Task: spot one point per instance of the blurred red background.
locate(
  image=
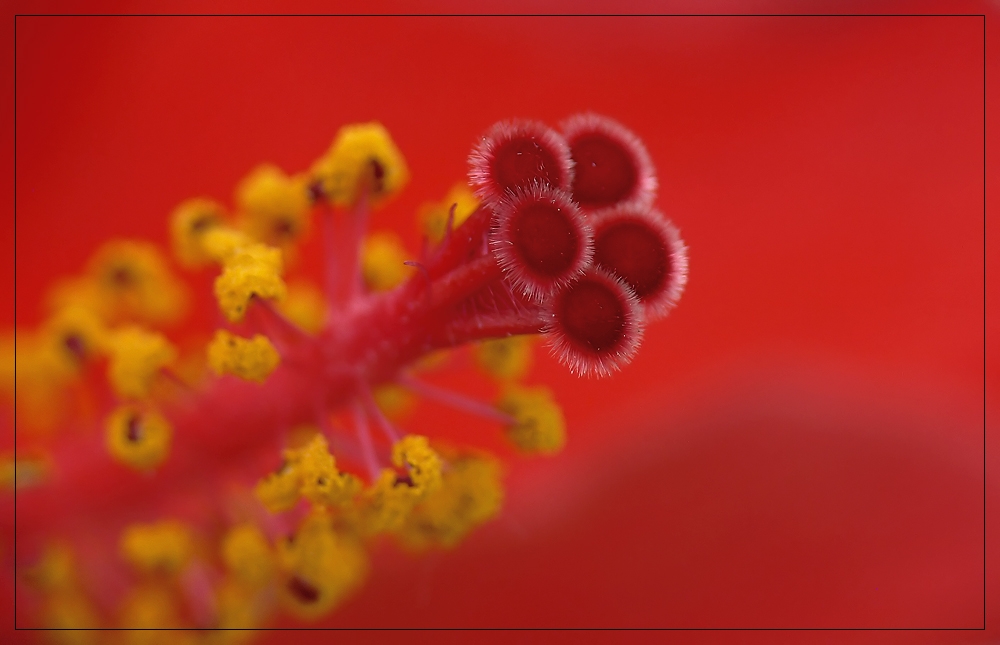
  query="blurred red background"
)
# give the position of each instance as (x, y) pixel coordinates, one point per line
(800, 444)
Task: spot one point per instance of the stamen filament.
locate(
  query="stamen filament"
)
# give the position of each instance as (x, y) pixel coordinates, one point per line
(359, 224)
(454, 400)
(332, 258)
(373, 411)
(365, 440)
(275, 325)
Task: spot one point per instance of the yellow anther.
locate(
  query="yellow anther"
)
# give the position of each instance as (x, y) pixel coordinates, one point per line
(252, 359)
(40, 380)
(77, 333)
(305, 306)
(470, 494)
(382, 258)
(55, 570)
(238, 609)
(322, 483)
(248, 555)
(149, 607)
(137, 356)
(279, 490)
(387, 504)
(507, 359)
(539, 425)
(136, 438)
(320, 567)
(253, 270)
(189, 223)
(222, 242)
(363, 160)
(276, 206)
(394, 401)
(135, 283)
(414, 453)
(161, 547)
(25, 472)
(80, 292)
(298, 438)
(434, 216)
(69, 614)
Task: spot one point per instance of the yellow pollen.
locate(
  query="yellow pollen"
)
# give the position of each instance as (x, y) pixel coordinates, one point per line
(423, 464)
(133, 283)
(69, 614)
(470, 494)
(38, 384)
(160, 547)
(189, 223)
(322, 483)
(305, 306)
(278, 491)
(382, 258)
(239, 609)
(138, 439)
(275, 206)
(507, 359)
(77, 333)
(253, 270)
(320, 567)
(395, 401)
(80, 292)
(150, 607)
(248, 555)
(55, 570)
(137, 356)
(539, 426)
(386, 505)
(362, 160)
(24, 472)
(252, 359)
(222, 242)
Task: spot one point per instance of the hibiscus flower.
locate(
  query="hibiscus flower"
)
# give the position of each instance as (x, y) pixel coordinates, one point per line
(799, 444)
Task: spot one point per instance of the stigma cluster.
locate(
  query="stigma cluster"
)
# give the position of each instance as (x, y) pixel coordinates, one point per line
(215, 480)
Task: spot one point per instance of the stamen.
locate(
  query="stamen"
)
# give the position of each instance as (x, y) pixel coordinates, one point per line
(275, 324)
(252, 359)
(253, 270)
(188, 224)
(368, 400)
(520, 263)
(163, 546)
(454, 400)
(276, 207)
(365, 441)
(137, 357)
(539, 426)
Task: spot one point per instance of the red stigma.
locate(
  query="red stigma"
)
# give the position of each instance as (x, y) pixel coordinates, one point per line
(611, 166)
(644, 249)
(541, 240)
(517, 154)
(596, 324)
